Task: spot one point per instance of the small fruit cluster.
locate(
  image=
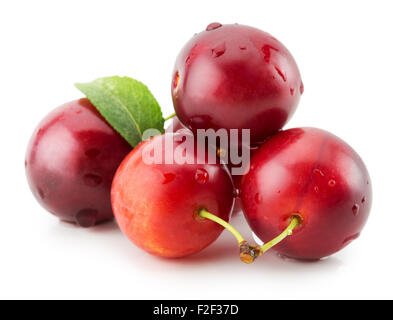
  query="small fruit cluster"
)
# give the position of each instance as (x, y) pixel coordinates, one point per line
(305, 191)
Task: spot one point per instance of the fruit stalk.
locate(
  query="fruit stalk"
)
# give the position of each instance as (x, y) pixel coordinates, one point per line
(296, 221)
(170, 116)
(248, 252)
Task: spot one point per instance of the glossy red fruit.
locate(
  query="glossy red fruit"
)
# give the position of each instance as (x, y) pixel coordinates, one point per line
(235, 76)
(314, 174)
(156, 205)
(70, 163)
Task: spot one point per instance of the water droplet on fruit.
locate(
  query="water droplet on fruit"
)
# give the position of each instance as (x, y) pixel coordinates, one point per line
(301, 89)
(236, 193)
(258, 198)
(201, 176)
(92, 180)
(292, 91)
(316, 189)
(351, 238)
(282, 75)
(213, 26)
(278, 191)
(363, 199)
(86, 217)
(332, 183)
(176, 79)
(318, 171)
(92, 153)
(219, 50)
(355, 209)
(41, 193)
(40, 132)
(267, 53)
(242, 47)
(168, 177)
(188, 60)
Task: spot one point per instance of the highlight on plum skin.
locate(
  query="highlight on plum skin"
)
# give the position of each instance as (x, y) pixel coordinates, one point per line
(235, 77)
(315, 175)
(70, 162)
(175, 126)
(156, 205)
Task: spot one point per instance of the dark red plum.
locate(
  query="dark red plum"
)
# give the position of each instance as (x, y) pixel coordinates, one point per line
(70, 163)
(313, 175)
(235, 77)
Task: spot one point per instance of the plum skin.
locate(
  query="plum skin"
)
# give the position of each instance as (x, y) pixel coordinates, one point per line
(236, 77)
(70, 162)
(156, 205)
(314, 174)
(175, 125)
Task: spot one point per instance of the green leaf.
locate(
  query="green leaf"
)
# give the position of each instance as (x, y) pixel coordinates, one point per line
(126, 104)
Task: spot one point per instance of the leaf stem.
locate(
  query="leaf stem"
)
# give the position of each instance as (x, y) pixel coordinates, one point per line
(170, 117)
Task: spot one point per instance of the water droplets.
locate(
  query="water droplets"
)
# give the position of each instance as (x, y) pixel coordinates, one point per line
(355, 209)
(41, 193)
(242, 47)
(176, 80)
(213, 26)
(86, 217)
(201, 176)
(40, 132)
(219, 50)
(258, 198)
(363, 199)
(168, 177)
(332, 183)
(351, 238)
(316, 189)
(292, 91)
(319, 172)
(281, 74)
(266, 50)
(236, 193)
(92, 180)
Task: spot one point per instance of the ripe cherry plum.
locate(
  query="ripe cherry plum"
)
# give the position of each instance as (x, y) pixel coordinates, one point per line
(312, 174)
(70, 163)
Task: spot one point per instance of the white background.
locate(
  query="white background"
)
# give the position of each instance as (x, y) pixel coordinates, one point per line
(344, 50)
